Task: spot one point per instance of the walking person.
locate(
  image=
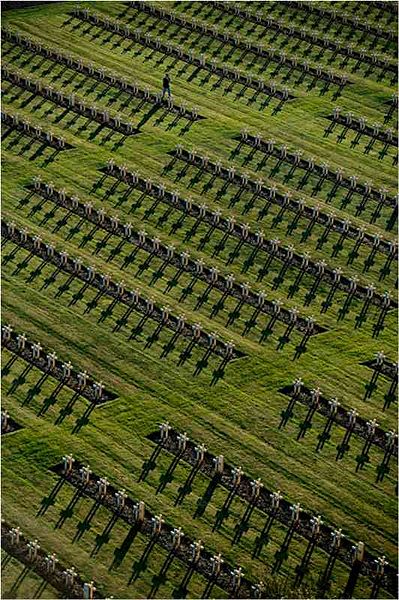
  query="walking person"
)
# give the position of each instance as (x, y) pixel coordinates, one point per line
(166, 85)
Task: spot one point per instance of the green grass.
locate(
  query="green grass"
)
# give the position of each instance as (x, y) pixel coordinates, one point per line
(239, 416)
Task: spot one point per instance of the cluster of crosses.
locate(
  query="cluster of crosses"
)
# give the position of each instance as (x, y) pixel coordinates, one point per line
(34, 131)
(322, 170)
(48, 361)
(69, 576)
(100, 74)
(154, 246)
(68, 101)
(343, 19)
(235, 40)
(318, 269)
(284, 199)
(234, 75)
(239, 483)
(334, 45)
(157, 521)
(331, 408)
(359, 124)
(130, 297)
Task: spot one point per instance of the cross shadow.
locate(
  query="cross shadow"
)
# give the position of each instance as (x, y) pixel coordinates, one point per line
(120, 553)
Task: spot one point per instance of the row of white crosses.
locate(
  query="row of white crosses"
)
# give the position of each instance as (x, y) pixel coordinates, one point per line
(157, 521)
(345, 19)
(51, 361)
(58, 97)
(233, 39)
(69, 575)
(337, 45)
(334, 404)
(352, 122)
(34, 131)
(102, 75)
(212, 66)
(343, 226)
(282, 152)
(135, 297)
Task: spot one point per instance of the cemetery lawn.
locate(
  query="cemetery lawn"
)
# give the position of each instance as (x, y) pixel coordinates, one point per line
(238, 414)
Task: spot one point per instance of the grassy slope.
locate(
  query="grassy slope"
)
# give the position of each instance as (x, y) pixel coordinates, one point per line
(239, 416)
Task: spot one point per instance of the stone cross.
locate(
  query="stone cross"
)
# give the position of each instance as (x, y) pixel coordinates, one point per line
(15, 534)
(352, 416)
(316, 523)
(51, 560)
(295, 512)
(68, 461)
(236, 473)
(156, 524)
(182, 440)
(379, 358)
(156, 244)
(391, 437)
(69, 575)
(11, 228)
(371, 427)
(236, 576)
(82, 379)
(258, 589)
(196, 548)
(357, 552)
(181, 321)
(4, 419)
(51, 360)
(212, 339)
(165, 313)
(64, 257)
(218, 464)
(216, 564)
(98, 388)
(170, 250)
(66, 370)
(200, 453)
(256, 486)
(297, 386)
(88, 590)
(139, 511)
(85, 473)
(380, 564)
(120, 499)
(177, 535)
(164, 430)
(333, 404)
(245, 288)
(7, 331)
(199, 266)
(102, 485)
(229, 347)
(196, 331)
(33, 548)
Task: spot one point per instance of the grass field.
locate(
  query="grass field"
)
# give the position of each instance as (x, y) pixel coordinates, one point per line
(238, 414)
